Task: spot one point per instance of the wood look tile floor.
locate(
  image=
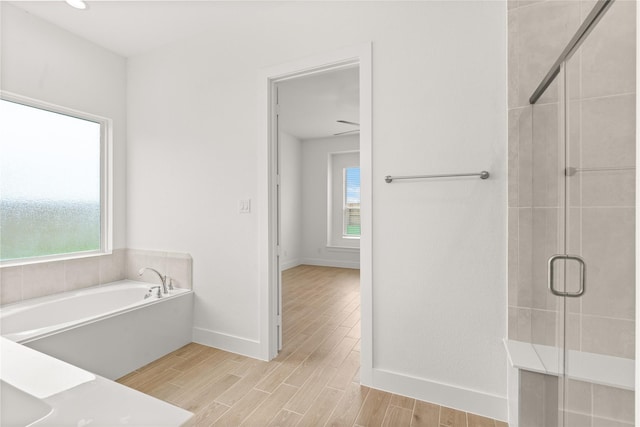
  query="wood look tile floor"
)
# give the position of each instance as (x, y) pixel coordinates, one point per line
(314, 381)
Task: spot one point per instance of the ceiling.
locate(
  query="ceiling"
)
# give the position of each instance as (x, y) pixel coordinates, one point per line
(310, 105)
(131, 28)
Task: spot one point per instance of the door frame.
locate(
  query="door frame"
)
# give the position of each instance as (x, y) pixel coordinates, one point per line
(267, 203)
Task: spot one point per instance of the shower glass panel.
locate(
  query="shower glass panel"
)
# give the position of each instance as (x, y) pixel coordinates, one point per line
(583, 210)
(600, 209)
(548, 223)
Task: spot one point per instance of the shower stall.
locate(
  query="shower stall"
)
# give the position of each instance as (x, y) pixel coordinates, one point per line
(572, 101)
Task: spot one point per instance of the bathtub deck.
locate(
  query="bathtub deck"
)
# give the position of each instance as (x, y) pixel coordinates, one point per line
(313, 381)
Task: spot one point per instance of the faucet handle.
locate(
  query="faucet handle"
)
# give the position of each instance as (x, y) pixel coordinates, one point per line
(159, 294)
(169, 282)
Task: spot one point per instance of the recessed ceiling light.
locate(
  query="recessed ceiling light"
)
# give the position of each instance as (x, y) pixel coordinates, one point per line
(78, 4)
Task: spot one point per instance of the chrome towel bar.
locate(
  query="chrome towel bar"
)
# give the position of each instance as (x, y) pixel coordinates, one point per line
(482, 175)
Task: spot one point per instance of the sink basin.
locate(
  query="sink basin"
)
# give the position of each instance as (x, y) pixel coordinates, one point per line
(18, 408)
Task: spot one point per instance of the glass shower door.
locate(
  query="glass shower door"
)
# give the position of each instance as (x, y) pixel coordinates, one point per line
(549, 244)
(599, 184)
(559, 270)
(568, 282)
(576, 228)
(584, 231)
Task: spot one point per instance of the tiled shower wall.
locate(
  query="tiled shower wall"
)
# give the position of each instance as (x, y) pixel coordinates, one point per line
(602, 204)
(601, 86)
(588, 405)
(36, 280)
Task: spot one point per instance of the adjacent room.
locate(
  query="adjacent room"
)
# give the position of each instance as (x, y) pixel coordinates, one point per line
(344, 213)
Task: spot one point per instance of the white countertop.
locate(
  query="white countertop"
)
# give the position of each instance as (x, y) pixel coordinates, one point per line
(45, 391)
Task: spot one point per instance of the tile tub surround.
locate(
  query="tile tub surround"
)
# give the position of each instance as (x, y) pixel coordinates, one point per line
(23, 282)
(178, 266)
(36, 280)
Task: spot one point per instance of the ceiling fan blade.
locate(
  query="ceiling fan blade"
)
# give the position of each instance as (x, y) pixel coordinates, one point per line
(348, 122)
(349, 131)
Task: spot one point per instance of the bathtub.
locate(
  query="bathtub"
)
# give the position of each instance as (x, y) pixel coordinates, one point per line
(109, 329)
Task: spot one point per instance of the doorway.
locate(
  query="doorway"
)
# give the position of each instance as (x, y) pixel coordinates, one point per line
(271, 316)
(318, 198)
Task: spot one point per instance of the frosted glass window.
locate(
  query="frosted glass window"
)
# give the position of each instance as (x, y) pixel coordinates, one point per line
(50, 183)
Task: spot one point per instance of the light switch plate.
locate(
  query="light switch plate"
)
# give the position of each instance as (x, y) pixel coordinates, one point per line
(244, 206)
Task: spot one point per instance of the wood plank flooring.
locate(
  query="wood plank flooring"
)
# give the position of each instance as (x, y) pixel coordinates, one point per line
(314, 381)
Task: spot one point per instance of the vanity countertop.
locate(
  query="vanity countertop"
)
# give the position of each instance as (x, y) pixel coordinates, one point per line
(39, 390)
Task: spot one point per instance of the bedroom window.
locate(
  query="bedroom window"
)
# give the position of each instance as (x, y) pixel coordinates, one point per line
(344, 200)
(351, 202)
(54, 182)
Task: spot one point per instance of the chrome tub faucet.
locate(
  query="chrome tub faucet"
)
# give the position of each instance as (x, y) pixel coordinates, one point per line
(163, 279)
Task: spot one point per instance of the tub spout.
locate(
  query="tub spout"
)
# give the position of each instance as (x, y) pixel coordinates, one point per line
(163, 278)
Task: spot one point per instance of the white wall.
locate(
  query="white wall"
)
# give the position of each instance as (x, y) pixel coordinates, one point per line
(41, 61)
(291, 200)
(303, 175)
(315, 159)
(439, 103)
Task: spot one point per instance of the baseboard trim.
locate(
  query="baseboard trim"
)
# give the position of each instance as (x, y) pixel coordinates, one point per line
(473, 401)
(331, 263)
(290, 264)
(231, 343)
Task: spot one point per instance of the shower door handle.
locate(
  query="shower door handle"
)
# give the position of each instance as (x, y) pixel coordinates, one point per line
(583, 275)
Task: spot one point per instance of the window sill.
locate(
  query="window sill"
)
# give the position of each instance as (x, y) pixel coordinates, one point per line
(331, 248)
(53, 258)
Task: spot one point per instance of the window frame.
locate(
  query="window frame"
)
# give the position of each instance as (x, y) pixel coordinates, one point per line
(106, 179)
(336, 163)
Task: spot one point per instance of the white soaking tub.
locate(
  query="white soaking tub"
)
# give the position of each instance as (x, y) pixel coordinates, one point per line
(110, 329)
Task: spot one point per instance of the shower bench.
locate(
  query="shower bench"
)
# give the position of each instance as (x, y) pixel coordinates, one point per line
(534, 381)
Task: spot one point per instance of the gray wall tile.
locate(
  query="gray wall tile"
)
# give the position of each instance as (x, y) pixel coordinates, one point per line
(10, 284)
(608, 336)
(546, 174)
(579, 396)
(525, 158)
(113, 267)
(609, 252)
(543, 31)
(179, 268)
(613, 403)
(81, 273)
(512, 257)
(42, 279)
(137, 259)
(608, 54)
